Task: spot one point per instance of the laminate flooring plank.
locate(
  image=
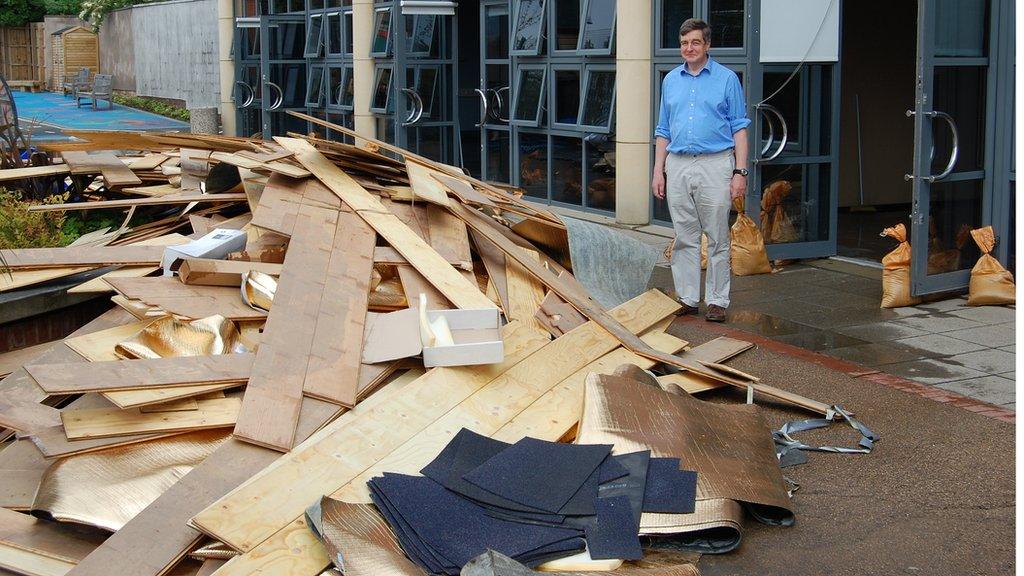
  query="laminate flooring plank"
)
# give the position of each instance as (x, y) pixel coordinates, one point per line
(91, 256)
(270, 408)
(105, 423)
(228, 369)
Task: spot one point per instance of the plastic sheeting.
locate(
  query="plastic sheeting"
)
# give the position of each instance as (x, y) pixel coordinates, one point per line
(611, 265)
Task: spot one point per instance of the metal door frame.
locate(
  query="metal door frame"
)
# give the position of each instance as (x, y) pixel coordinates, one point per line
(921, 282)
(485, 112)
(267, 60)
(248, 99)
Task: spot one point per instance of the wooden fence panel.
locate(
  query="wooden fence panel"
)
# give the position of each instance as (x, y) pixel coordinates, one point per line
(21, 55)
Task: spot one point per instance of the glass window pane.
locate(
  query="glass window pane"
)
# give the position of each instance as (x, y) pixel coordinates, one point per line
(291, 79)
(348, 32)
(567, 24)
(426, 87)
(287, 40)
(954, 209)
(567, 96)
(349, 91)
(795, 202)
(961, 28)
(316, 4)
(334, 79)
(960, 92)
(279, 6)
(500, 96)
(314, 91)
(600, 93)
(498, 162)
(530, 96)
(382, 34)
(787, 101)
(529, 24)
(726, 20)
(382, 90)
(598, 25)
(497, 32)
(533, 164)
(314, 36)
(600, 166)
(420, 32)
(334, 34)
(567, 170)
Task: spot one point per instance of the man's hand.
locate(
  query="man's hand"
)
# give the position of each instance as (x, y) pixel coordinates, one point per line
(737, 186)
(658, 184)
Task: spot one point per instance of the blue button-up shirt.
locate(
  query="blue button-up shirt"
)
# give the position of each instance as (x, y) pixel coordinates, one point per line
(699, 114)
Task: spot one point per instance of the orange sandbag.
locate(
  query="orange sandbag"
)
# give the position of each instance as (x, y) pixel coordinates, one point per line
(991, 284)
(703, 251)
(896, 271)
(748, 255)
(776, 227)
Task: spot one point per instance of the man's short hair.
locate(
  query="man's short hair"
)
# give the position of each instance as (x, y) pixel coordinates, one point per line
(696, 24)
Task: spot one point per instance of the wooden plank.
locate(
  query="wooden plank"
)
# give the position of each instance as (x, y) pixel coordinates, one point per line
(53, 442)
(449, 236)
(332, 373)
(250, 516)
(115, 172)
(148, 162)
(14, 279)
(167, 293)
(272, 399)
(589, 308)
(460, 291)
(22, 466)
(557, 316)
(103, 423)
(717, 350)
(424, 186)
(525, 294)
(133, 551)
(14, 359)
(33, 172)
(41, 539)
(77, 378)
(495, 264)
(414, 284)
(127, 203)
(157, 191)
(99, 284)
(464, 190)
(82, 256)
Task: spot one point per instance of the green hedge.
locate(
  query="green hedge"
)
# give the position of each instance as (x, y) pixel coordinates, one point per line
(154, 106)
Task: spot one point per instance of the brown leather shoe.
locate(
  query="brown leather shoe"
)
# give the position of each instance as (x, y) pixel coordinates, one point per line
(686, 309)
(715, 314)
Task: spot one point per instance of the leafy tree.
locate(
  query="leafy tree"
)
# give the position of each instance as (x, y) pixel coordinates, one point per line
(95, 11)
(20, 12)
(63, 6)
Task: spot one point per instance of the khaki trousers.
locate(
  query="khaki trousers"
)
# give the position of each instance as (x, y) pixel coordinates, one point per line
(697, 191)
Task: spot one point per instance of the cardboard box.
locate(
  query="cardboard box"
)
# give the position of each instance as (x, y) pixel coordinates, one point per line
(476, 334)
(217, 244)
(207, 272)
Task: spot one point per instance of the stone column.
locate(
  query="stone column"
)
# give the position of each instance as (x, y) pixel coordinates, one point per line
(362, 62)
(225, 33)
(633, 112)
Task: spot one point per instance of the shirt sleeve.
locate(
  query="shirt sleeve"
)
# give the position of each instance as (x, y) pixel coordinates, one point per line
(737, 106)
(662, 129)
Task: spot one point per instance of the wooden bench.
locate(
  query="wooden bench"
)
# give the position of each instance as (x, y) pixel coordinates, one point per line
(101, 90)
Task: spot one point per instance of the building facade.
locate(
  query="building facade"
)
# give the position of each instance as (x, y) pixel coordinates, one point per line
(859, 121)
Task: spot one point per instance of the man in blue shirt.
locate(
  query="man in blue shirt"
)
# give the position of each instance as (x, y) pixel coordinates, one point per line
(700, 166)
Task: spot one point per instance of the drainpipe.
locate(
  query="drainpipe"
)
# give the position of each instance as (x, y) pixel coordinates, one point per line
(225, 34)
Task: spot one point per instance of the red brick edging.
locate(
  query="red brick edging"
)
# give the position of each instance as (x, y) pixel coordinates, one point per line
(859, 371)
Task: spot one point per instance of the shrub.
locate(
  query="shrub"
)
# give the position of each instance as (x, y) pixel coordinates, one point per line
(20, 12)
(154, 106)
(63, 7)
(20, 228)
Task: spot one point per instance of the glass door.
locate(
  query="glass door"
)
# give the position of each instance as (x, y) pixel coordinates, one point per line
(282, 73)
(495, 93)
(953, 141)
(248, 89)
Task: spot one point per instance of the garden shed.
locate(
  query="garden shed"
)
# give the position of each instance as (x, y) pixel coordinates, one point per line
(74, 48)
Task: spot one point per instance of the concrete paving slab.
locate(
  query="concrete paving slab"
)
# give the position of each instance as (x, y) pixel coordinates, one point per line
(940, 345)
(761, 323)
(937, 323)
(819, 340)
(992, 389)
(910, 311)
(946, 305)
(832, 318)
(986, 314)
(880, 331)
(933, 371)
(990, 360)
(993, 336)
(877, 354)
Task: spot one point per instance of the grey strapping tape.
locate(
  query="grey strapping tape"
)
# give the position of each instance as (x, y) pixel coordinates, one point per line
(784, 442)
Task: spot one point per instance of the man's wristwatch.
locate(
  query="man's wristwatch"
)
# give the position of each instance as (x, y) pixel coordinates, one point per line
(741, 171)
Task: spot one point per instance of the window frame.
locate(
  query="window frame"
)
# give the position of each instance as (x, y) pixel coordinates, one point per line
(320, 41)
(376, 26)
(587, 71)
(553, 48)
(555, 68)
(378, 70)
(521, 71)
(411, 40)
(330, 52)
(428, 112)
(347, 74)
(583, 33)
(541, 36)
(310, 78)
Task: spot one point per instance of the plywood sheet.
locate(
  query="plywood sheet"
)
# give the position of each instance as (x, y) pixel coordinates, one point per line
(169, 294)
(227, 369)
(424, 186)
(114, 171)
(82, 256)
(102, 423)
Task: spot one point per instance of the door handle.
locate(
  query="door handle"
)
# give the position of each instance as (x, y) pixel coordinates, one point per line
(251, 96)
(768, 110)
(953, 155)
(497, 94)
(281, 95)
(417, 107)
(486, 107)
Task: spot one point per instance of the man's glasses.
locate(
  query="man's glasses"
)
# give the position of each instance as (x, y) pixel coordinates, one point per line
(693, 43)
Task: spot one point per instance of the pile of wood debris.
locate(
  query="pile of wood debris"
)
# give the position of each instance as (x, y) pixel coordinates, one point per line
(185, 366)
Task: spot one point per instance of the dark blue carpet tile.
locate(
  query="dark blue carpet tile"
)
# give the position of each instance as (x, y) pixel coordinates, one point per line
(615, 533)
(669, 489)
(456, 530)
(539, 474)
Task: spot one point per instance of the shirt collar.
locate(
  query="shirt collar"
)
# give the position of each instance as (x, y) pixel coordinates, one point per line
(706, 68)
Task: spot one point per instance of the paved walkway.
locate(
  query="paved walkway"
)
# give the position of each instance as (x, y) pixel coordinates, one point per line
(43, 116)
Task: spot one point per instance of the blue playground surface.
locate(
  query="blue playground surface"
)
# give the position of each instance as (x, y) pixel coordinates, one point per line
(40, 112)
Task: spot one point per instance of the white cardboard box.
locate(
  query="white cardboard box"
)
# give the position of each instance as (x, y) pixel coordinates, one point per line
(217, 244)
(476, 335)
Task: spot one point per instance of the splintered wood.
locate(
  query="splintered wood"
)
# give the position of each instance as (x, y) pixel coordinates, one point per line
(346, 233)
